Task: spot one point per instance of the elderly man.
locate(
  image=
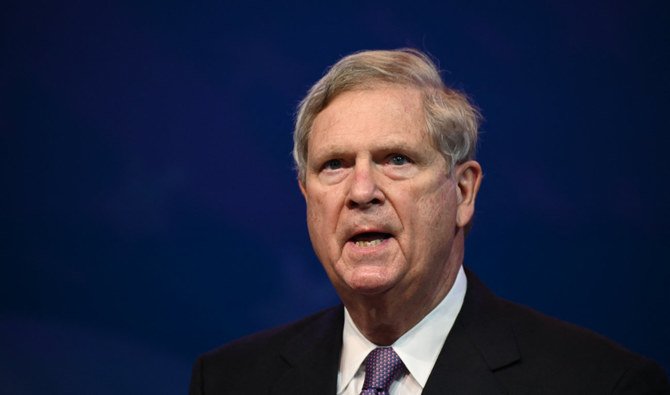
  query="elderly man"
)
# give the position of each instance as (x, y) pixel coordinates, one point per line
(385, 159)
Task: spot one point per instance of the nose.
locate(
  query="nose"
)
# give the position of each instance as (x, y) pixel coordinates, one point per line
(364, 189)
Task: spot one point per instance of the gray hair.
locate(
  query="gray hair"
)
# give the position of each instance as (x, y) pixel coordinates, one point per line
(452, 121)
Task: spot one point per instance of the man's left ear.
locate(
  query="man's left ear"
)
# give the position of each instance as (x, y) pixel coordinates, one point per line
(468, 176)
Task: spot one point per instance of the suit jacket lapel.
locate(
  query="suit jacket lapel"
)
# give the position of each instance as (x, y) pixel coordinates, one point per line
(480, 343)
(313, 357)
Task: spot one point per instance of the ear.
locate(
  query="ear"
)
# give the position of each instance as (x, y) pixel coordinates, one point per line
(468, 176)
(302, 188)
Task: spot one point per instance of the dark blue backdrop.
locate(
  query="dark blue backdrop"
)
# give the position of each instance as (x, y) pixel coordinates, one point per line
(149, 208)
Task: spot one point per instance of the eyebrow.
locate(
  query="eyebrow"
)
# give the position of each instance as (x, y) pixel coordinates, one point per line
(336, 150)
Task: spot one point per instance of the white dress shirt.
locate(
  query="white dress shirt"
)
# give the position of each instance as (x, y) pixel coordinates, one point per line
(418, 348)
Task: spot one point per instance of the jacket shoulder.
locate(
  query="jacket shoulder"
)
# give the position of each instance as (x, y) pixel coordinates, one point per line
(255, 360)
(270, 340)
(559, 355)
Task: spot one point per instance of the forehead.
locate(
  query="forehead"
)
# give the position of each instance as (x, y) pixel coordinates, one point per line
(391, 114)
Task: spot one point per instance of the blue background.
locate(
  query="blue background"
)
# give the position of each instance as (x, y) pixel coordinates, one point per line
(150, 212)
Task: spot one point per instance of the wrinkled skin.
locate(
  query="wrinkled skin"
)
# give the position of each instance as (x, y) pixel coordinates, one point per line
(385, 216)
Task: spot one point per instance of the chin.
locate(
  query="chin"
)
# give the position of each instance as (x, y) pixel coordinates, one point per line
(370, 282)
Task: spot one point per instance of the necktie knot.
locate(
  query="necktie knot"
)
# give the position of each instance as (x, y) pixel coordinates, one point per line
(382, 366)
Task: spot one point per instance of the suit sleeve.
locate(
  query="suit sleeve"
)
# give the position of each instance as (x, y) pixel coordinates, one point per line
(647, 378)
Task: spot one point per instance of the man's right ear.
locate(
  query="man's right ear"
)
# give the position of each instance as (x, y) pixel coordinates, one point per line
(302, 188)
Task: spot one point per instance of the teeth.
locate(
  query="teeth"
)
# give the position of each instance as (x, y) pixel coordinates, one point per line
(368, 243)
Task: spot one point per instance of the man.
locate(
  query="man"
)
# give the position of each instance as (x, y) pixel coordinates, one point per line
(385, 159)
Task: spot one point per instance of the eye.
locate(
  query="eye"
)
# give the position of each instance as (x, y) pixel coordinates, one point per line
(333, 164)
(398, 160)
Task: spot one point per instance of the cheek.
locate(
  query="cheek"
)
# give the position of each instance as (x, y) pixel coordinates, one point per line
(442, 209)
(324, 205)
(319, 218)
(315, 204)
(314, 219)
(433, 217)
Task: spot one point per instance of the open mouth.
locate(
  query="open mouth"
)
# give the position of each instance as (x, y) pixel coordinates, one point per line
(369, 239)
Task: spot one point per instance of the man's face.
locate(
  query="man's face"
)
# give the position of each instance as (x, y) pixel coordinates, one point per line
(382, 209)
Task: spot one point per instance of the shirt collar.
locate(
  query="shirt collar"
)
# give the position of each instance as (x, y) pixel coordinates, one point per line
(418, 348)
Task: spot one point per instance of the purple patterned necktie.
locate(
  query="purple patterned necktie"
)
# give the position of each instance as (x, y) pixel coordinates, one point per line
(382, 366)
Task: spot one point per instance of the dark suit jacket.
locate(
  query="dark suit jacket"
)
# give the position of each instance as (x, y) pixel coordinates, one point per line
(495, 347)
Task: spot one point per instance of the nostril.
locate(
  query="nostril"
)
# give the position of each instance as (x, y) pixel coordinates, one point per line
(370, 203)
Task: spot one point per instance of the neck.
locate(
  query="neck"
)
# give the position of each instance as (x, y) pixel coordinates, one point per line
(384, 318)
